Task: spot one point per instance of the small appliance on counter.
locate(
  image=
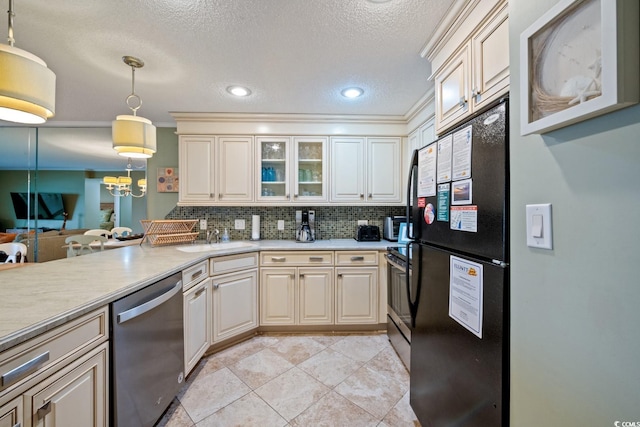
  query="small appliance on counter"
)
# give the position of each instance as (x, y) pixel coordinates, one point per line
(391, 227)
(368, 233)
(305, 226)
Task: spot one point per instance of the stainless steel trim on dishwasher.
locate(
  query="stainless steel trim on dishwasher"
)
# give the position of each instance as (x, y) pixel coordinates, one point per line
(139, 310)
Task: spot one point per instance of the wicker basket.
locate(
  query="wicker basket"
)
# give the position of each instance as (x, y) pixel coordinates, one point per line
(168, 232)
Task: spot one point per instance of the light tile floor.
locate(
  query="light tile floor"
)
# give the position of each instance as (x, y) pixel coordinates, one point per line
(299, 380)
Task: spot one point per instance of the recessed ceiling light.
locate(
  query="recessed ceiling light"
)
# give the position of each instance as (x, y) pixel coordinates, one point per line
(352, 92)
(379, 1)
(238, 91)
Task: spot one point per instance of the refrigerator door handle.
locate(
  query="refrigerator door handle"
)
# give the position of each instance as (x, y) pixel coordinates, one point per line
(413, 167)
(500, 263)
(414, 300)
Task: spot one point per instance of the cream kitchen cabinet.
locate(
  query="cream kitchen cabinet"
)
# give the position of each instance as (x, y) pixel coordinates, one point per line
(292, 169)
(296, 296)
(234, 295)
(59, 377)
(296, 288)
(366, 169)
(216, 169)
(356, 276)
(74, 398)
(477, 71)
(197, 323)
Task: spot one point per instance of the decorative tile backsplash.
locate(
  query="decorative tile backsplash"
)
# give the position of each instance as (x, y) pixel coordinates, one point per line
(332, 222)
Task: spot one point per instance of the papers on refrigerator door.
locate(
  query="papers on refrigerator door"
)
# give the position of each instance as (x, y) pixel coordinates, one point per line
(427, 171)
(461, 159)
(444, 159)
(465, 294)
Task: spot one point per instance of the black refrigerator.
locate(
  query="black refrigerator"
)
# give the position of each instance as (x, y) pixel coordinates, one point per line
(459, 291)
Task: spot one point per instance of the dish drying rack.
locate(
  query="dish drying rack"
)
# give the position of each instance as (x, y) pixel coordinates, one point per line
(168, 231)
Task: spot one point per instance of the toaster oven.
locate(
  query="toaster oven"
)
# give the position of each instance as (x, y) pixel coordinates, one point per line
(392, 226)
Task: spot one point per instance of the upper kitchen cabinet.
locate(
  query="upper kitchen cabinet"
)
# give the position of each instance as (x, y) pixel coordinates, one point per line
(470, 63)
(292, 169)
(366, 170)
(216, 169)
(310, 169)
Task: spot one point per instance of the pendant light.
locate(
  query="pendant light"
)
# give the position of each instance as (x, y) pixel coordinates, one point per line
(133, 136)
(27, 86)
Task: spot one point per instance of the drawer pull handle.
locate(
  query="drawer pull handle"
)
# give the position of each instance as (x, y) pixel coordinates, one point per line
(302, 276)
(44, 410)
(278, 259)
(316, 258)
(23, 370)
(357, 258)
(197, 274)
(197, 294)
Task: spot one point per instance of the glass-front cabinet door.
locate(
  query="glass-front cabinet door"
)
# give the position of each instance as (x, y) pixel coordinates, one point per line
(273, 158)
(310, 169)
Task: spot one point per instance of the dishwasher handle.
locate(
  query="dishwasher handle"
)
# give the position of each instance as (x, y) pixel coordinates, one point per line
(138, 310)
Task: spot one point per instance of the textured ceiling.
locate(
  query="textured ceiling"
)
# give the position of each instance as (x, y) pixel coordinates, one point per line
(295, 56)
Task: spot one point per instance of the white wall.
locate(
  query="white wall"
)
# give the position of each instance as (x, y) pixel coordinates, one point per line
(575, 310)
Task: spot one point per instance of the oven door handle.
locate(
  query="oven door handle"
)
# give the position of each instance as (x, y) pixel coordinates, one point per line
(395, 264)
(139, 310)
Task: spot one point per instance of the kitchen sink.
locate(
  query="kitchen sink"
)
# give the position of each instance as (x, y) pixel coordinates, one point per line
(208, 247)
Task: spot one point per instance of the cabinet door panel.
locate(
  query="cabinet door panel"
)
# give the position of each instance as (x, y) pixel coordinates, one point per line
(236, 169)
(491, 60)
(452, 87)
(11, 413)
(197, 330)
(383, 170)
(197, 169)
(272, 180)
(77, 398)
(316, 296)
(347, 169)
(356, 295)
(277, 296)
(235, 298)
(309, 173)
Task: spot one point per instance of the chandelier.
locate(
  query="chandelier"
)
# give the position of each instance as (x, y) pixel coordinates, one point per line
(133, 136)
(27, 86)
(120, 186)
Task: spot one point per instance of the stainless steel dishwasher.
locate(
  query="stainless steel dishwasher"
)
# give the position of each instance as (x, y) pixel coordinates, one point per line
(147, 352)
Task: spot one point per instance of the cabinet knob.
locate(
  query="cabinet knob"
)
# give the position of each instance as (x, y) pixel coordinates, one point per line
(219, 195)
(216, 285)
(362, 196)
(370, 195)
(463, 102)
(295, 196)
(211, 196)
(286, 196)
(339, 274)
(302, 276)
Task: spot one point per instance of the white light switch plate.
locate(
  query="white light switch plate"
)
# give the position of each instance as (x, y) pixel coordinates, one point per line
(203, 224)
(239, 224)
(539, 231)
(281, 224)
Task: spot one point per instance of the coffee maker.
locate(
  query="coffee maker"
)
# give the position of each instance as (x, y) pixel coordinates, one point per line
(305, 226)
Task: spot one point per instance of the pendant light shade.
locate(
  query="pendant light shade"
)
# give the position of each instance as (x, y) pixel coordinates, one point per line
(132, 135)
(27, 86)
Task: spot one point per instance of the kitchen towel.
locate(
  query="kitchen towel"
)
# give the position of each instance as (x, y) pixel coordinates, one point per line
(255, 227)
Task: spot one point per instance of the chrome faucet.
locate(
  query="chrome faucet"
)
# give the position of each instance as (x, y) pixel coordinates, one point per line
(210, 235)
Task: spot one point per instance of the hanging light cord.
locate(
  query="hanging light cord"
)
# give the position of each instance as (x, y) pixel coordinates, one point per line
(10, 39)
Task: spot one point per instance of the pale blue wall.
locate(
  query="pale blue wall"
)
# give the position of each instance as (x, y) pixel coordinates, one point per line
(160, 204)
(575, 309)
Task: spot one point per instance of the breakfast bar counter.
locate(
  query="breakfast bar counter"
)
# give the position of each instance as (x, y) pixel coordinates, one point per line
(36, 299)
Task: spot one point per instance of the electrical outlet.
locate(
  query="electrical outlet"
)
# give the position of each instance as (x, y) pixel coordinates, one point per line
(363, 222)
(281, 224)
(203, 224)
(239, 224)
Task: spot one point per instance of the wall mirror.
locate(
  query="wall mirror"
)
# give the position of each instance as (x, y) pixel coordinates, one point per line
(65, 166)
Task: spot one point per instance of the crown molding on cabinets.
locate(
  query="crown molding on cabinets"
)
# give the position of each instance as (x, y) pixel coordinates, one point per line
(288, 124)
(422, 111)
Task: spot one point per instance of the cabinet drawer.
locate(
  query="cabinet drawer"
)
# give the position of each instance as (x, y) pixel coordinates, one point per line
(31, 357)
(227, 264)
(356, 258)
(296, 258)
(194, 274)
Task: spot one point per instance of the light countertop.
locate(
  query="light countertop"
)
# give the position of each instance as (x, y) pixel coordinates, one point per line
(41, 296)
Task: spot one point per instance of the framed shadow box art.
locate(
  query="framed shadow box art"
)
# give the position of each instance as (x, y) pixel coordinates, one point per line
(578, 61)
